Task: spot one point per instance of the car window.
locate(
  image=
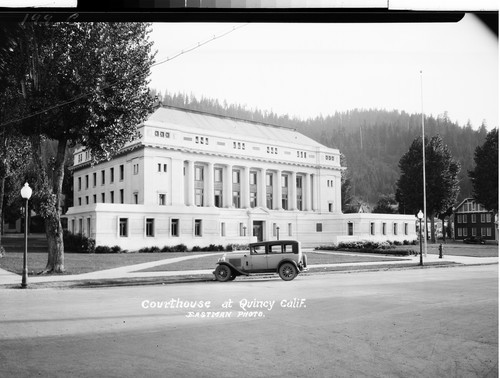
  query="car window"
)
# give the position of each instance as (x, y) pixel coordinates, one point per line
(287, 248)
(258, 250)
(275, 248)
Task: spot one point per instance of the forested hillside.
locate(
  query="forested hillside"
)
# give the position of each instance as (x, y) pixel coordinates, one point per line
(372, 141)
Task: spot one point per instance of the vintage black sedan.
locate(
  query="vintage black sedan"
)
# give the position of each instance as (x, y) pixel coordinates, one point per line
(284, 257)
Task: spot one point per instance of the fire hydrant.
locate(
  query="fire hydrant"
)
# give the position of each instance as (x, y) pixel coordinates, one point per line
(440, 251)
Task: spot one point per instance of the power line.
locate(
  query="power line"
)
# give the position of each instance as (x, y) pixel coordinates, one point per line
(168, 59)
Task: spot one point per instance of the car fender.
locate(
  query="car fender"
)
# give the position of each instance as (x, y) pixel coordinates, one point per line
(299, 269)
(232, 267)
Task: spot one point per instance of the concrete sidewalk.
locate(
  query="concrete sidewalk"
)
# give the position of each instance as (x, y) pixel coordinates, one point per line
(133, 273)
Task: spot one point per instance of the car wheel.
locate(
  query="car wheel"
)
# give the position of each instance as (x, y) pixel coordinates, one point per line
(232, 277)
(287, 271)
(223, 273)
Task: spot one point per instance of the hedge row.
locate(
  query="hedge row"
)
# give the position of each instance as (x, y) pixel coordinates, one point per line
(81, 244)
(368, 246)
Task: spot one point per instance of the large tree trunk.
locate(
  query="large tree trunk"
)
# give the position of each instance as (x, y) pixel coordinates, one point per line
(2, 194)
(53, 226)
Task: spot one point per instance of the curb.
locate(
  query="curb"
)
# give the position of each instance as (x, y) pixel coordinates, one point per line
(180, 279)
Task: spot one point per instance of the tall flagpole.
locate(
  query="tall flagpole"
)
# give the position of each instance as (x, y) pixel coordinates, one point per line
(423, 162)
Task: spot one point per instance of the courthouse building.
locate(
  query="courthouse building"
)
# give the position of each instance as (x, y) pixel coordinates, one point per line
(199, 179)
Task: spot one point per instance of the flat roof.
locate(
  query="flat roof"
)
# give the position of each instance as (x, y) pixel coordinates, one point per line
(238, 128)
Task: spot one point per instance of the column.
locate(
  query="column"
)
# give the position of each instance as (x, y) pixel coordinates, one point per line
(245, 188)
(314, 192)
(292, 191)
(209, 196)
(261, 189)
(277, 199)
(190, 183)
(306, 193)
(228, 186)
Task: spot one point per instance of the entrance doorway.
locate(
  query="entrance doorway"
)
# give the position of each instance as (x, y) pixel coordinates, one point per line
(258, 230)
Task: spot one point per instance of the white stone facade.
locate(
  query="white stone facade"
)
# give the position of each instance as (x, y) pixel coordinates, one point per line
(199, 179)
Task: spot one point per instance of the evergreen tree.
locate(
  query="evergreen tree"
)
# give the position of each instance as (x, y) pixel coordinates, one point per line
(484, 176)
(442, 186)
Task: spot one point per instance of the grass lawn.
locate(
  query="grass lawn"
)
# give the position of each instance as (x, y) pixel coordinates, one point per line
(461, 249)
(312, 258)
(77, 263)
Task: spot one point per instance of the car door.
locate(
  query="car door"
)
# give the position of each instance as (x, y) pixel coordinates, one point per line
(275, 255)
(258, 257)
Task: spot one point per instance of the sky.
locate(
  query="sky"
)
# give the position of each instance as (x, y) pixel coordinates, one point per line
(308, 70)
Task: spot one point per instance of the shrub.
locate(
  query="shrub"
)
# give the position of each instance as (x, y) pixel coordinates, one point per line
(116, 249)
(166, 249)
(78, 243)
(102, 249)
(180, 248)
(2, 252)
(196, 249)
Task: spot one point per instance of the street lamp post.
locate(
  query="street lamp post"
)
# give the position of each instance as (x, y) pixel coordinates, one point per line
(26, 194)
(423, 159)
(420, 215)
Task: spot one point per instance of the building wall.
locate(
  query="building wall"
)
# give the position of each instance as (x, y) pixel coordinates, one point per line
(231, 226)
(472, 219)
(184, 162)
(475, 224)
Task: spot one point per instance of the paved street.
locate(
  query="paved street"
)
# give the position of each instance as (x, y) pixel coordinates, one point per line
(440, 322)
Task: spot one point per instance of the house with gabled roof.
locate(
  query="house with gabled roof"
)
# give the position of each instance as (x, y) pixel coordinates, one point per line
(473, 219)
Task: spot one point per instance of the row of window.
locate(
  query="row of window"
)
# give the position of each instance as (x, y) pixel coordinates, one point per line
(272, 150)
(239, 145)
(484, 231)
(350, 228)
(81, 154)
(201, 140)
(471, 206)
(485, 218)
(111, 198)
(395, 229)
(121, 173)
(236, 177)
(162, 134)
(150, 230)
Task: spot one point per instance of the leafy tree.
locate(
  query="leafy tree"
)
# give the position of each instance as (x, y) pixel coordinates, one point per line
(484, 176)
(442, 184)
(80, 84)
(14, 148)
(386, 205)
